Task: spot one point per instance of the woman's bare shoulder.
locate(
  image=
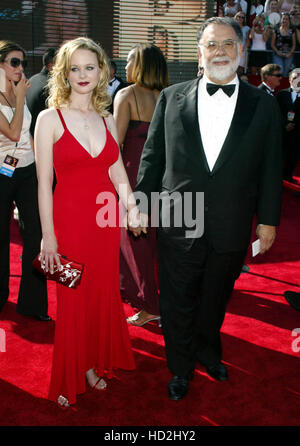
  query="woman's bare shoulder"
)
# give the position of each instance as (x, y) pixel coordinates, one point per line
(48, 115)
(124, 94)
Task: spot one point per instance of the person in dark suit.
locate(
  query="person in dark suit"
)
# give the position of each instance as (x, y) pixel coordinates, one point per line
(289, 103)
(115, 84)
(38, 93)
(270, 77)
(225, 145)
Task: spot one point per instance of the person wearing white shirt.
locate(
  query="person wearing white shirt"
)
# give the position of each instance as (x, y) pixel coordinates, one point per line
(18, 184)
(289, 102)
(210, 135)
(240, 17)
(115, 84)
(256, 8)
(215, 112)
(271, 77)
(244, 6)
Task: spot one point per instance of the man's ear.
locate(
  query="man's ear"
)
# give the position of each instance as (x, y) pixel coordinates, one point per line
(240, 49)
(199, 56)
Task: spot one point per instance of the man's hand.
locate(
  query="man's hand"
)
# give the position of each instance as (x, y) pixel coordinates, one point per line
(290, 126)
(137, 222)
(266, 235)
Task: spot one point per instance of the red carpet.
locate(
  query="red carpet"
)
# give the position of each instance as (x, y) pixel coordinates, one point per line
(263, 387)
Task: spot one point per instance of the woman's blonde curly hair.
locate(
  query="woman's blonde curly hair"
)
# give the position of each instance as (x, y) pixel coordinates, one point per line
(59, 87)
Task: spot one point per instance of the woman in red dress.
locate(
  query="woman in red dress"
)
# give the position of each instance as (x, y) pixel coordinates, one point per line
(79, 137)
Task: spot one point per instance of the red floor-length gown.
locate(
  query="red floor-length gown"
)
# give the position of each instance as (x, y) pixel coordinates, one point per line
(91, 330)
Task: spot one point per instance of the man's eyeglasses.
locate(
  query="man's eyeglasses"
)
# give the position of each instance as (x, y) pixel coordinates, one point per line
(16, 62)
(226, 45)
(276, 75)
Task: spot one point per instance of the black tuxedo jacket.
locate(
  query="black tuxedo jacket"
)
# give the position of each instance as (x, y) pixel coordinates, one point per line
(266, 89)
(284, 98)
(37, 95)
(246, 178)
(121, 85)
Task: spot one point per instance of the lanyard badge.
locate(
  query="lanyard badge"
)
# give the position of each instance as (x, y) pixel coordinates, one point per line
(10, 162)
(8, 166)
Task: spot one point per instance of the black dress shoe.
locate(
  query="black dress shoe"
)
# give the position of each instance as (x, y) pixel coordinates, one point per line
(178, 387)
(218, 372)
(42, 318)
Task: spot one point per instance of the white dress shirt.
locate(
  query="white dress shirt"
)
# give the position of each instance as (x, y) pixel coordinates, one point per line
(294, 95)
(269, 90)
(112, 86)
(215, 114)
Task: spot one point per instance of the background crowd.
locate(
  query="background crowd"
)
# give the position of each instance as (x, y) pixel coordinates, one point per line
(271, 30)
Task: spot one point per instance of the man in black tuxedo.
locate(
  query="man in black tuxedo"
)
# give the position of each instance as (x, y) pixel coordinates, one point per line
(270, 76)
(227, 146)
(115, 84)
(289, 103)
(38, 93)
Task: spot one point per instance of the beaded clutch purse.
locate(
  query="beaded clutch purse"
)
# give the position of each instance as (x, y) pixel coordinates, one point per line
(68, 274)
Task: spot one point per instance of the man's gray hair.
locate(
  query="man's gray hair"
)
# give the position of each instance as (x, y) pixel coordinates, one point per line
(295, 70)
(227, 21)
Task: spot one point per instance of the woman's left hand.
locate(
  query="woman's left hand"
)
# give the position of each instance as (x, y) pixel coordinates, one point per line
(137, 222)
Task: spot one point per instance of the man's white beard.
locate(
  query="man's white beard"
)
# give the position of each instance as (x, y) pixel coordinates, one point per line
(220, 73)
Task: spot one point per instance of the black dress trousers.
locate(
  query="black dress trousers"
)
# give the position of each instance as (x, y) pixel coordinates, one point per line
(195, 287)
(21, 188)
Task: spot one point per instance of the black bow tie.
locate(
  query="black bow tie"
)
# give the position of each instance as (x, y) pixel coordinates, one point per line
(228, 89)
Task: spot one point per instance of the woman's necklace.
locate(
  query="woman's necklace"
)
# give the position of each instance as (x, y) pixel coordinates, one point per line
(85, 118)
(85, 124)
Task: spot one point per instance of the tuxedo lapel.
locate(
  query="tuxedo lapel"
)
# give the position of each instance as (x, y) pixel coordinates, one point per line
(188, 105)
(244, 110)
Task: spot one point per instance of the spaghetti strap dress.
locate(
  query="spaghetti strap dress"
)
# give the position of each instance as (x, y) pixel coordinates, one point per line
(138, 257)
(91, 331)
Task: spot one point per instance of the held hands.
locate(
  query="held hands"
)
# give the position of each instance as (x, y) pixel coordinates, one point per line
(266, 235)
(21, 88)
(137, 222)
(48, 255)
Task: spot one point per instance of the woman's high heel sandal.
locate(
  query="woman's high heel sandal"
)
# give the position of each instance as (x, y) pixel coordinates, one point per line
(62, 401)
(99, 383)
(141, 318)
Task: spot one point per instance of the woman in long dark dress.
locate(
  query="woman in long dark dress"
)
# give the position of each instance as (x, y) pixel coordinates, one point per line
(147, 72)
